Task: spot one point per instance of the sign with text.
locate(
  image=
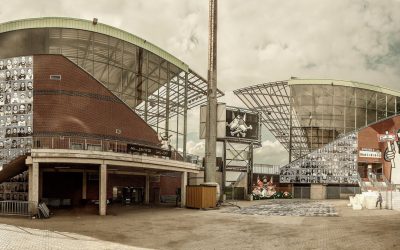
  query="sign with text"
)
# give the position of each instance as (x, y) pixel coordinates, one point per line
(132, 148)
(370, 153)
(386, 137)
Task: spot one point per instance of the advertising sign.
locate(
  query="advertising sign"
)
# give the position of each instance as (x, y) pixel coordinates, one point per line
(386, 137)
(370, 153)
(132, 148)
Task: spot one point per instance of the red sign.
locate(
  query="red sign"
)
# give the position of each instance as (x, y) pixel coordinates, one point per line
(386, 137)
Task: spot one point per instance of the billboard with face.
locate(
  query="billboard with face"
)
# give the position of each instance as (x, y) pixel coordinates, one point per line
(242, 124)
(16, 107)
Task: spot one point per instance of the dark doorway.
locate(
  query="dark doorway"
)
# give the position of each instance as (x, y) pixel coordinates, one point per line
(63, 186)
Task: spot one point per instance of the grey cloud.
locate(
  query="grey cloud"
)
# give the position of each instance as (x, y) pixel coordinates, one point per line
(259, 40)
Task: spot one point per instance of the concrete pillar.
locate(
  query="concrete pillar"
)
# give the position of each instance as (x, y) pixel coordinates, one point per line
(318, 192)
(103, 189)
(183, 188)
(40, 184)
(33, 193)
(147, 190)
(84, 187)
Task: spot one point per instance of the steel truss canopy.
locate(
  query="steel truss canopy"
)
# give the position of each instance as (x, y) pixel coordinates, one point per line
(306, 114)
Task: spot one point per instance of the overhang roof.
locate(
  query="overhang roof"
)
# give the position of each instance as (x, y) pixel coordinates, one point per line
(272, 100)
(351, 84)
(74, 23)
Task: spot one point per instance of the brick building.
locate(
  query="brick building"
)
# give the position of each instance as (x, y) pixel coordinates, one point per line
(97, 110)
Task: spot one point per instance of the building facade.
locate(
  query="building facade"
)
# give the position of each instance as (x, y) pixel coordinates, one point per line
(323, 124)
(97, 109)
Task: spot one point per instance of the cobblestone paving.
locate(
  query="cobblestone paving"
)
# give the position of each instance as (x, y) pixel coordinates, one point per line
(14, 237)
(285, 208)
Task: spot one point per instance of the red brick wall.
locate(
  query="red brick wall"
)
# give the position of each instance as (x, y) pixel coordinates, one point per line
(368, 138)
(169, 184)
(79, 104)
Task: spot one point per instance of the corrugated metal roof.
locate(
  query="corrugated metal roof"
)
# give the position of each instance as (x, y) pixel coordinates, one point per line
(73, 23)
(351, 84)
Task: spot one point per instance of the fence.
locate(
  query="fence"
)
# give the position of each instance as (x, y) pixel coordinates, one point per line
(15, 208)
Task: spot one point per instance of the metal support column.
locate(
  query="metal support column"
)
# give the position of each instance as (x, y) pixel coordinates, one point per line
(223, 179)
(167, 102)
(290, 129)
(250, 170)
(185, 116)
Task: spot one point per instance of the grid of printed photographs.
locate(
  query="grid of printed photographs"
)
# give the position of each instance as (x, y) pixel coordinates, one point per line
(16, 99)
(335, 163)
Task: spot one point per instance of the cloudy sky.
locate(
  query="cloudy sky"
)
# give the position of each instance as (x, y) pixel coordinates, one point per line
(259, 40)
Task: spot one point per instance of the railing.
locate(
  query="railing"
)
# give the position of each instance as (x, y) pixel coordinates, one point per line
(266, 169)
(104, 145)
(15, 208)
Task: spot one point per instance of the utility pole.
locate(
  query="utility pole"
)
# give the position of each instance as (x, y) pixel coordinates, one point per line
(211, 123)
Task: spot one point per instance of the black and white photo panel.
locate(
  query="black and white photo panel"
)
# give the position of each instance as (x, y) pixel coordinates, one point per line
(16, 107)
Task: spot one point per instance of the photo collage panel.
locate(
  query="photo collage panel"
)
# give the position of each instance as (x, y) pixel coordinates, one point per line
(335, 163)
(16, 107)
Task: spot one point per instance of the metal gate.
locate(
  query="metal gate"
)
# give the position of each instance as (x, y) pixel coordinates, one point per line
(302, 192)
(341, 192)
(332, 192)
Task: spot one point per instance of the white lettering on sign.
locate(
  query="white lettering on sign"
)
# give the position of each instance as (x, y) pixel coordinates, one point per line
(370, 154)
(386, 137)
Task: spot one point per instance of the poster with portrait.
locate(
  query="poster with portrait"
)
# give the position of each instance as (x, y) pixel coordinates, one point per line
(335, 163)
(242, 124)
(16, 107)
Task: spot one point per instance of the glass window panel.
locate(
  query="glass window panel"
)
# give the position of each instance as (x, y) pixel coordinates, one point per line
(398, 105)
(39, 38)
(115, 78)
(360, 117)
(130, 55)
(128, 86)
(360, 98)
(381, 115)
(381, 101)
(69, 45)
(115, 51)
(85, 46)
(350, 117)
(101, 72)
(391, 104)
(100, 48)
(371, 116)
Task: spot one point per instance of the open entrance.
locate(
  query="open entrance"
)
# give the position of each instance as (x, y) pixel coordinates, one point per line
(62, 189)
(366, 170)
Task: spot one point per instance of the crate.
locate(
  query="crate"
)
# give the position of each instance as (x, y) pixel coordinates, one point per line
(201, 196)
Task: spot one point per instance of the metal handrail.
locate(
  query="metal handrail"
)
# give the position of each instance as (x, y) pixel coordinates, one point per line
(93, 144)
(22, 208)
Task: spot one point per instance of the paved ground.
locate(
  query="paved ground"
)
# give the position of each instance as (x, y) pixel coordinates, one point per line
(16, 237)
(284, 208)
(175, 228)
